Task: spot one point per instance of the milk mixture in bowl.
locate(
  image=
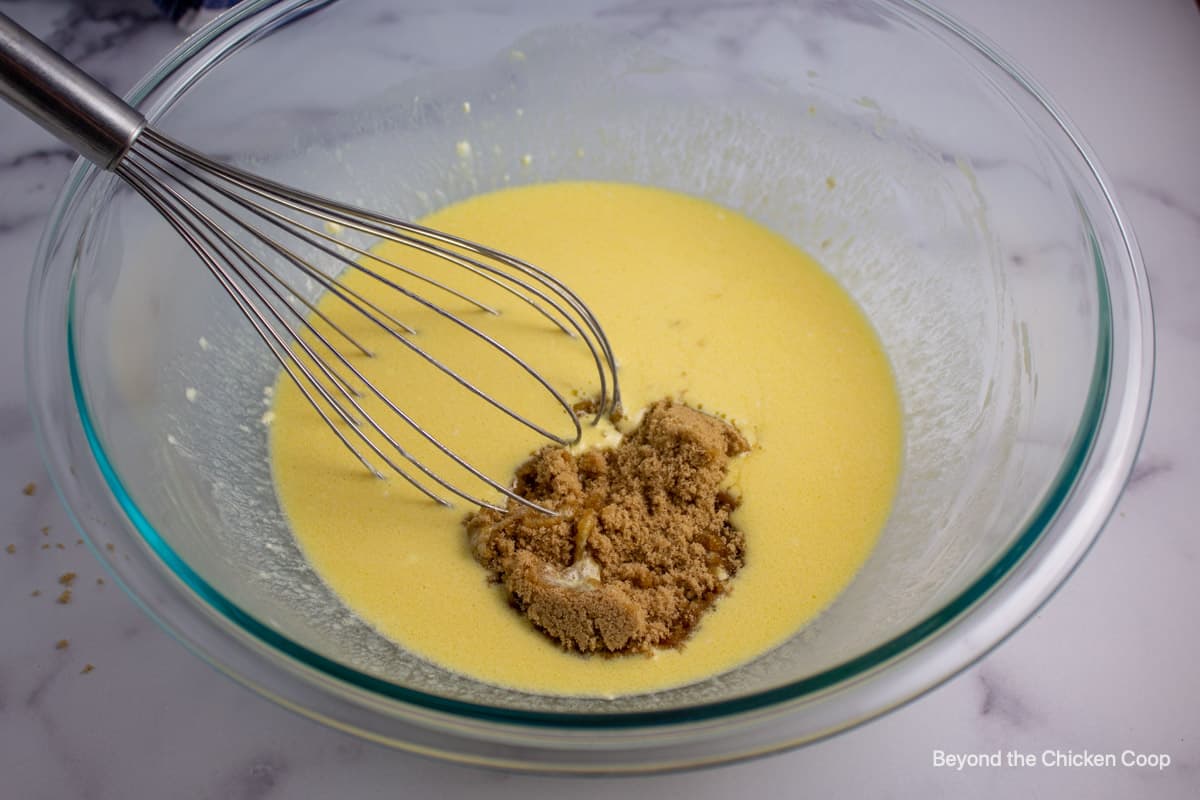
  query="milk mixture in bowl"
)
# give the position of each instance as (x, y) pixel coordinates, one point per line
(702, 306)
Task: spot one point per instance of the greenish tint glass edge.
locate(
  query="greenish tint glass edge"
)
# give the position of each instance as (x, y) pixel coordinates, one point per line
(1077, 456)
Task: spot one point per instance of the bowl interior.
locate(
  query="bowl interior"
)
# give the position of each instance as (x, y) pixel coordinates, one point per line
(916, 179)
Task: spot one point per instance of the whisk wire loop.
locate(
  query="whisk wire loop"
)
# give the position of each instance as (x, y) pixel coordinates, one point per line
(291, 256)
(418, 237)
(198, 230)
(201, 199)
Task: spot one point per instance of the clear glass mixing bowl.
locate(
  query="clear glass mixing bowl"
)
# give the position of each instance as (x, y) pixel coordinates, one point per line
(942, 189)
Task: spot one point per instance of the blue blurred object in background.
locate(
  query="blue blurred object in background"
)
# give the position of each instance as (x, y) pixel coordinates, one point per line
(192, 14)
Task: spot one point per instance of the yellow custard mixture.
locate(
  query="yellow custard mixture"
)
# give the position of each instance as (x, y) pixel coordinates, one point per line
(700, 304)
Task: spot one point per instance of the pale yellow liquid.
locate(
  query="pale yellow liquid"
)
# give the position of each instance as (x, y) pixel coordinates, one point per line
(699, 303)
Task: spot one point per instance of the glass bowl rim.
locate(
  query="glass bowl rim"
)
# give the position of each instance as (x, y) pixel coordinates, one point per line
(205, 48)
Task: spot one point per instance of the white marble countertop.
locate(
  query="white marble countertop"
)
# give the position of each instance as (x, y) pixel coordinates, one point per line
(1108, 665)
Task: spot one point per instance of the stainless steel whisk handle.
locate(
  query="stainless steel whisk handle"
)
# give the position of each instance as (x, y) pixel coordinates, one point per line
(64, 99)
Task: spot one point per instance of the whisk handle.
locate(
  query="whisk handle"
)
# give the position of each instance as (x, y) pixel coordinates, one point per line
(64, 99)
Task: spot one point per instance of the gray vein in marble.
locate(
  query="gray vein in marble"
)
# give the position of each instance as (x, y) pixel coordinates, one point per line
(1156, 211)
(133, 631)
(980, 163)
(1146, 468)
(33, 700)
(255, 778)
(388, 16)
(30, 182)
(1022, 257)
(41, 155)
(830, 8)
(93, 27)
(17, 222)
(86, 782)
(871, 18)
(1000, 702)
(735, 41)
(1162, 197)
(661, 18)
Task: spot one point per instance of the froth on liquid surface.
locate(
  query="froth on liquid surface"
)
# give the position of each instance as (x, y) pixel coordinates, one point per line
(700, 304)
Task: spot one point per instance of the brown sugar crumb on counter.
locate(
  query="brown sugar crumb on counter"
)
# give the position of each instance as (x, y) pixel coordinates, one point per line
(30, 489)
(62, 644)
(65, 597)
(67, 578)
(86, 669)
(10, 549)
(642, 544)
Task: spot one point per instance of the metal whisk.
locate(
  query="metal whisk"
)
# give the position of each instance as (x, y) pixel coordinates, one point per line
(248, 231)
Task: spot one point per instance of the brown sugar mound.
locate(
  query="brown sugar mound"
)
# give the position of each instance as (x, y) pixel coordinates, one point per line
(642, 544)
